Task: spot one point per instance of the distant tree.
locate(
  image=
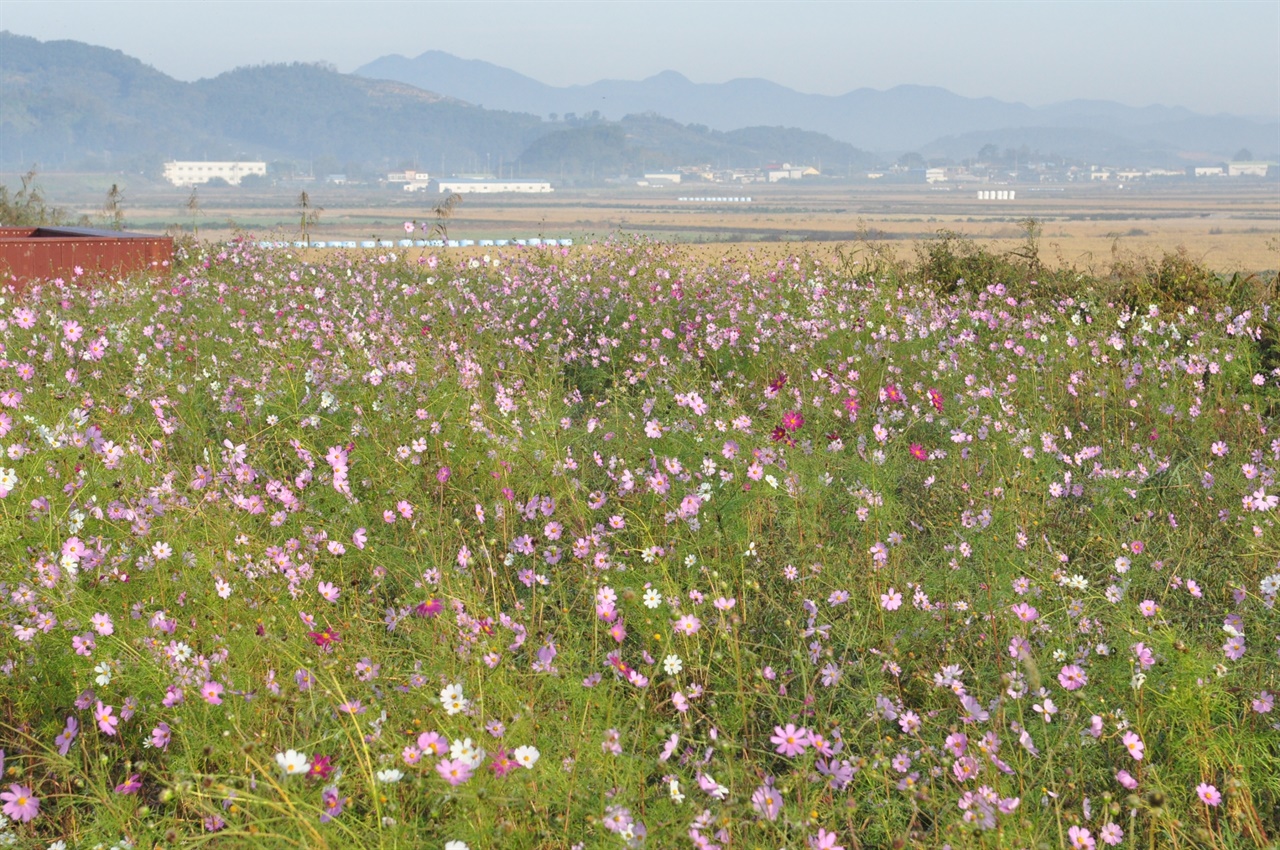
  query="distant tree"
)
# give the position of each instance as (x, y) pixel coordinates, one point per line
(443, 212)
(911, 159)
(255, 181)
(1243, 155)
(193, 207)
(310, 215)
(554, 117)
(113, 207)
(988, 153)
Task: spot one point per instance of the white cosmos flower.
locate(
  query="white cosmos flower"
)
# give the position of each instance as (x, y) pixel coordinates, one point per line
(526, 757)
(292, 763)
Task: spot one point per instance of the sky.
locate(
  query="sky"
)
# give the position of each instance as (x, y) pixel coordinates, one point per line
(1211, 57)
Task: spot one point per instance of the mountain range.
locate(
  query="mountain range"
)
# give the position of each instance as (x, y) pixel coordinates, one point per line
(70, 105)
(903, 118)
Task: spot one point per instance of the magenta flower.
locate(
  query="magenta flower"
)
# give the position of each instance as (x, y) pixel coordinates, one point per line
(132, 785)
(790, 741)
(1126, 779)
(321, 767)
(430, 608)
(19, 803)
(792, 420)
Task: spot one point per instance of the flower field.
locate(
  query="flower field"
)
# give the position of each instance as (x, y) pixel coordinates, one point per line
(618, 548)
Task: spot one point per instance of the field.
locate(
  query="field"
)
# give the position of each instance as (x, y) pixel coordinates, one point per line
(1229, 225)
(639, 545)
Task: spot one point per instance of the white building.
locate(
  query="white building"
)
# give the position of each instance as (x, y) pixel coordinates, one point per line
(463, 187)
(181, 173)
(787, 171)
(1247, 169)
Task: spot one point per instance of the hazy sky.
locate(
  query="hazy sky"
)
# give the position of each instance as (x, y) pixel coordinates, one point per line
(1220, 56)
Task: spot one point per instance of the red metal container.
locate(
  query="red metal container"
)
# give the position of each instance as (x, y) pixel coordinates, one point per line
(45, 253)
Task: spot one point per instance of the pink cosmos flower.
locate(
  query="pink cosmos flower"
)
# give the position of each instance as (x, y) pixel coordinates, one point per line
(1111, 834)
(1025, 612)
(688, 625)
(767, 800)
(454, 771)
(105, 716)
(1072, 677)
(891, 601)
(1080, 838)
(1126, 779)
(790, 741)
(19, 803)
(211, 692)
(825, 841)
(1134, 745)
(1208, 795)
(918, 452)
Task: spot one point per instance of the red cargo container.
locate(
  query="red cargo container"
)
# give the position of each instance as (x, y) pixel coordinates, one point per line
(45, 253)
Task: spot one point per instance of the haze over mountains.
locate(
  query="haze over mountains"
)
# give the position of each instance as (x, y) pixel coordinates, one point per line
(903, 118)
(66, 104)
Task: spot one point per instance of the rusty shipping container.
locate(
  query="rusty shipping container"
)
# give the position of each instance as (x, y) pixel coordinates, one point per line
(45, 253)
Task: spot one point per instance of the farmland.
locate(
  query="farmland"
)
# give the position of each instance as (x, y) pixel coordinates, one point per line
(636, 544)
(1228, 225)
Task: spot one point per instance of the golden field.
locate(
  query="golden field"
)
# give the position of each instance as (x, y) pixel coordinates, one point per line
(1227, 224)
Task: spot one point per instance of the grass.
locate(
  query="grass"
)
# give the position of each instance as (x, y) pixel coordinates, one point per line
(732, 552)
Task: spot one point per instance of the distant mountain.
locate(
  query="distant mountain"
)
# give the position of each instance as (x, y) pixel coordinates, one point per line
(902, 118)
(644, 143)
(70, 105)
(67, 104)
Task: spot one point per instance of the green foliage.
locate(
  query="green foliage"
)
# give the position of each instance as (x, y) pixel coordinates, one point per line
(1175, 281)
(954, 262)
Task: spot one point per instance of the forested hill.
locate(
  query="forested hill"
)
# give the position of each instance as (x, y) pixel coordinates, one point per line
(71, 105)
